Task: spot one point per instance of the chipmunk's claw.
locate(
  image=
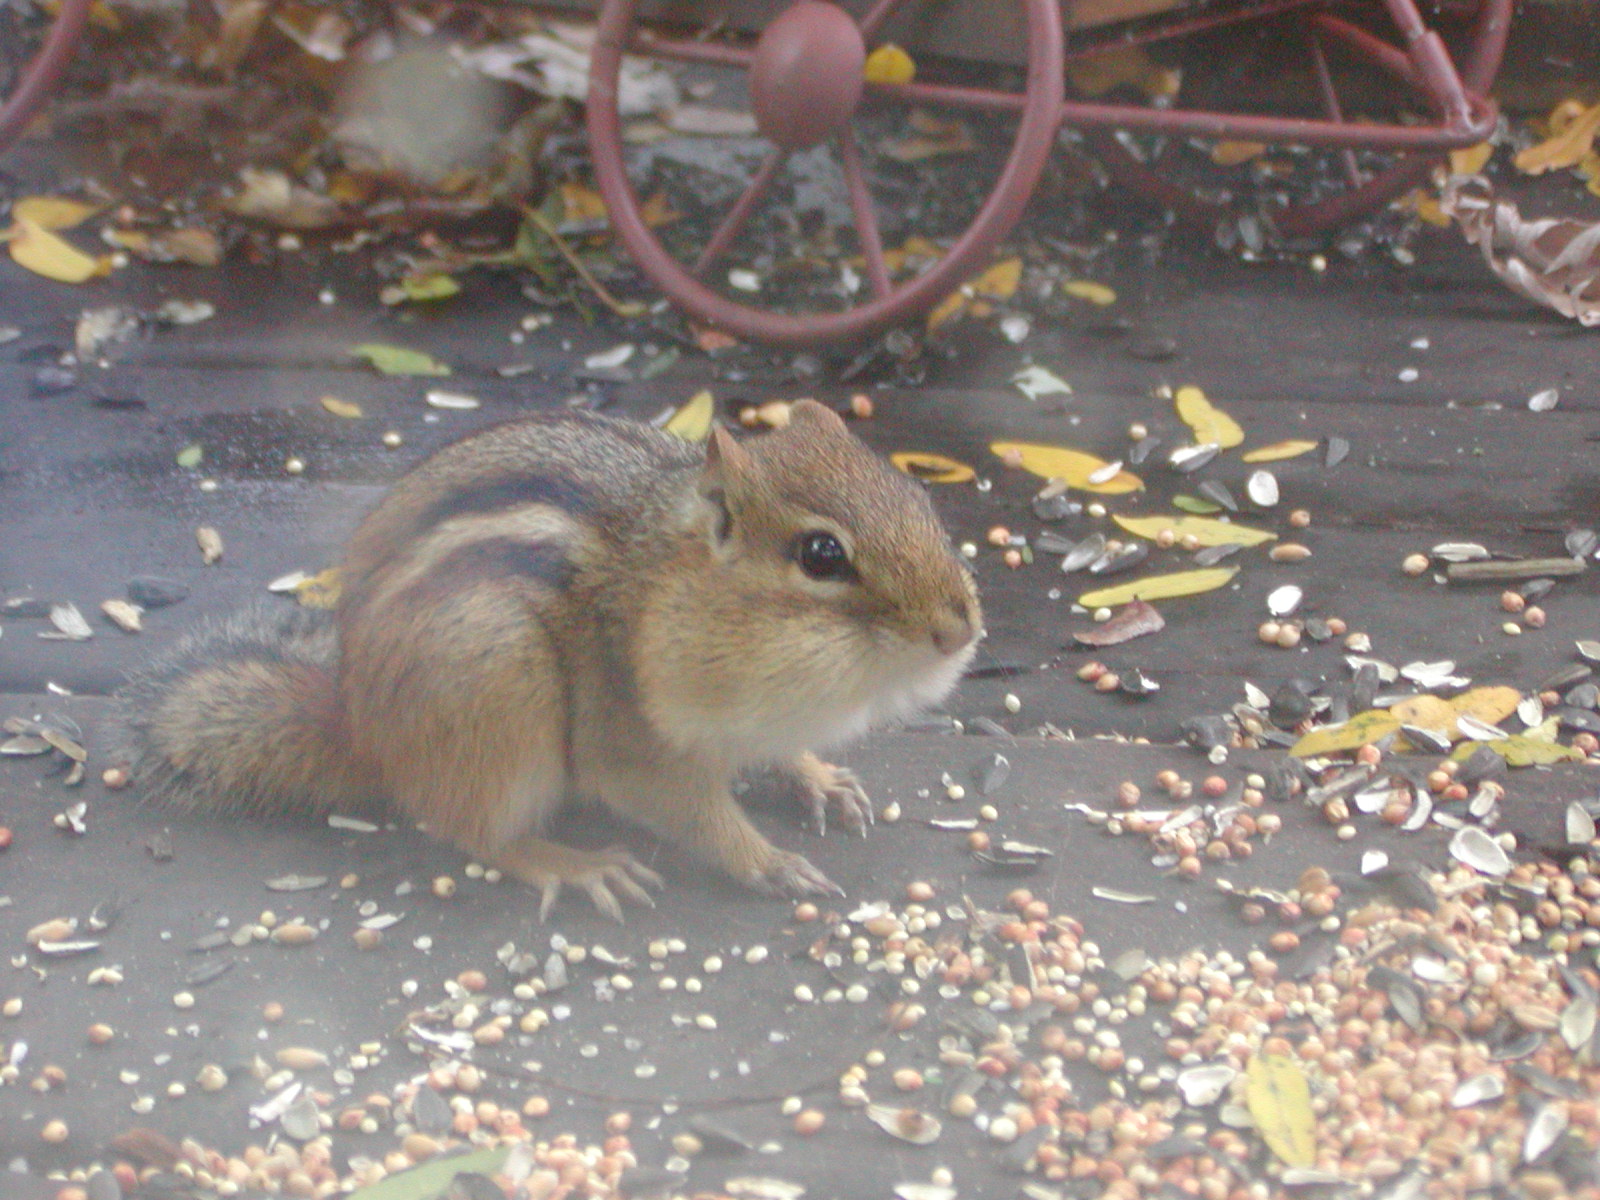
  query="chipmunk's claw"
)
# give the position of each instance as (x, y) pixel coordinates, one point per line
(789, 874)
(597, 872)
(822, 784)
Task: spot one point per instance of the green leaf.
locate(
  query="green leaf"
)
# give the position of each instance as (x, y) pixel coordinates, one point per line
(1279, 1099)
(1193, 504)
(399, 360)
(191, 455)
(1522, 750)
(435, 285)
(429, 1181)
(1360, 730)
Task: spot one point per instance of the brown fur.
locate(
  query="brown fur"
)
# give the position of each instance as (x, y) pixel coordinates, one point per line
(578, 607)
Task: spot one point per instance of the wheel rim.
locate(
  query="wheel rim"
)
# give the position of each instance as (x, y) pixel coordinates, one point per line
(1031, 146)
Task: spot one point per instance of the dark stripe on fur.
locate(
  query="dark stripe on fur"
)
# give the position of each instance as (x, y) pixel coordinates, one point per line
(496, 558)
(516, 491)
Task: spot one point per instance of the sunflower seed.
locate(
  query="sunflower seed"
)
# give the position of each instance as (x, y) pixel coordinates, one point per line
(1187, 459)
(1084, 553)
(1262, 488)
(1218, 492)
(1117, 896)
(210, 543)
(1581, 543)
(1580, 824)
(151, 591)
(1284, 600)
(907, 1124)
(1477, 1089)
(1432, 675)
(296, 883)
(1206, 1084)
(125, 616)
(1456, 552)
(456, 401)
(1545, 1129)
(1430, 740)
(300, 1119)
(1111, 562)
(69, 622)
(1578, 1022)
(992, 775)
(1210, 556)
(1479, 851)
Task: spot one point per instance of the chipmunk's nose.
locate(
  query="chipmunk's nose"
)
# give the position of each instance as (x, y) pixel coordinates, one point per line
(954, 629)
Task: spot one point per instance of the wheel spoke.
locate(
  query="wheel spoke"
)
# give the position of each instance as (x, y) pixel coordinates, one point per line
(739, 215)
(953, 95)
(1331, 106)
(875, 17)
(688, 50)
(855, 182)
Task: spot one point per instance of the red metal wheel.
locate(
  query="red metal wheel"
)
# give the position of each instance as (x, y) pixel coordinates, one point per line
(1376, 162)
(805, 86)
(34, 83)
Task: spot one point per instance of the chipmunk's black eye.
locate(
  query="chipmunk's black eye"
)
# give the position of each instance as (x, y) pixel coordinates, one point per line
(822, 556)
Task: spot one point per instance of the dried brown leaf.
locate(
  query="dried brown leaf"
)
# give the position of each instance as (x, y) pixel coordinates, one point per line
(1136, 620)
(1551, 261)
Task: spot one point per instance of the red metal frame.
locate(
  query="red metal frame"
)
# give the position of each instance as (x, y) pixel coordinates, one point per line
(1461, 116)
(1031, 147)
(43, 72)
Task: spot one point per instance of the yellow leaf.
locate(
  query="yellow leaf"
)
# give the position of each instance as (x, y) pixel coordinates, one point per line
(1000, 281)
(1231, 154)
(320, 591)
(1469, 160)
(1279, 1099)
(1360, 730)
(580, 204)
(1278, 451)
(53, 212)
(1087, 289)
(1522, 750)
(1096, 74)
(1565, 149)
(1490, 705)
(1205, 530)
(889, 64)
(932, 468)
(1427, 712)
(1160, 587)
(348, 409)
(1072, 467)
(692, 422)
(1210, 424)
(1427, 207)
(43, 253)
(947, 310)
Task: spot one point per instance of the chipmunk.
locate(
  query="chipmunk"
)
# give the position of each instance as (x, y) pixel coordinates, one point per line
(574, 606)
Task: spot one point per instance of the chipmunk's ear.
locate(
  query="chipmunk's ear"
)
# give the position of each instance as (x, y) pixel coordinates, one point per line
(726, 462)
(726, 459)
(809, 412)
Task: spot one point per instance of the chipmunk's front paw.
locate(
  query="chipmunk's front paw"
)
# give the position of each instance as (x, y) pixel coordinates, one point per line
(601, 873)
(787, 874)
(822, 784)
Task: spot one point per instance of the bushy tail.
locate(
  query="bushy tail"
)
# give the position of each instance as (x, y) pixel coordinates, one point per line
(244, 716)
